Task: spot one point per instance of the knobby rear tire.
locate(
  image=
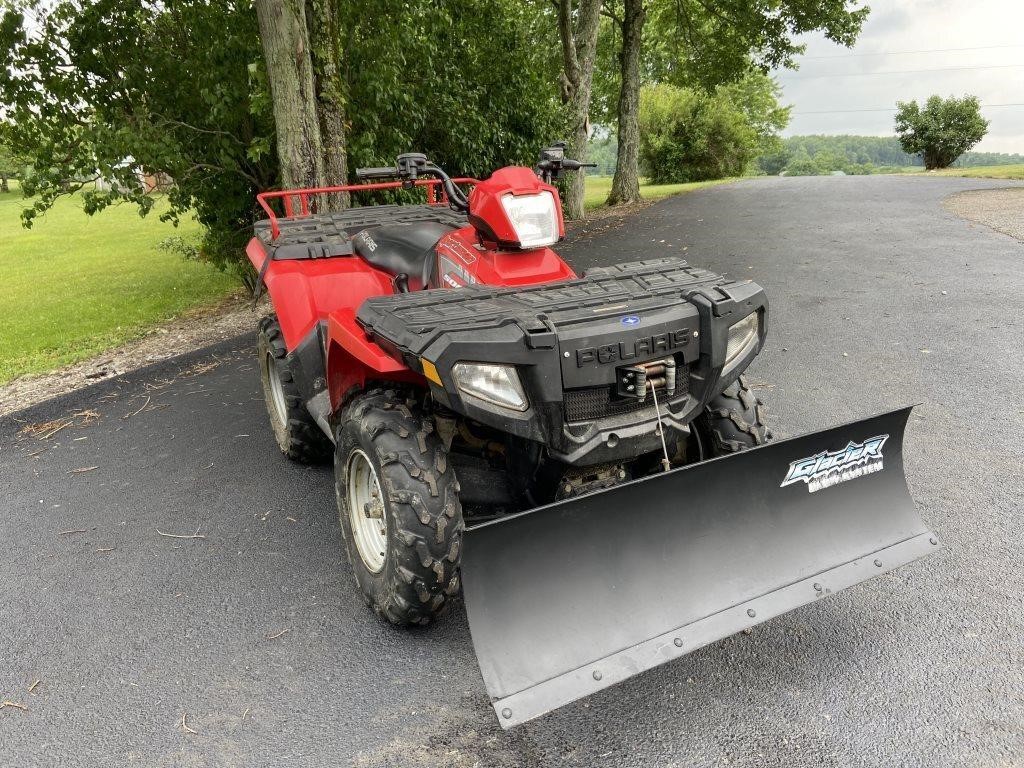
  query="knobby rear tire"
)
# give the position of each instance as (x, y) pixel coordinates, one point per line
(298, 435)
(424, 524)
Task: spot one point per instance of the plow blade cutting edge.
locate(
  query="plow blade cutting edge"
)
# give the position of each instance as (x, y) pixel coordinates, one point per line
(570, 598)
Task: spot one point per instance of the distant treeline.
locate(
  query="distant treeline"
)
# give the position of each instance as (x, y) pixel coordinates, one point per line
(808, 155)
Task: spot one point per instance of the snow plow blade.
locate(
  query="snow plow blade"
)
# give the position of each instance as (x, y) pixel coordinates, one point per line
(570, 598)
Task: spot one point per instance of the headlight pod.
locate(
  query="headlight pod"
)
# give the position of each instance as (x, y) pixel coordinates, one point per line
(742, 338)
(495, 384)
(533, 217)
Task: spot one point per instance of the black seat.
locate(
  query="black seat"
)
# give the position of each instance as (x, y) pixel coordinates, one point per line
(402, 249)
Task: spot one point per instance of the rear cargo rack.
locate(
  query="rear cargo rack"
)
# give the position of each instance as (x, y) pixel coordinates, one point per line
(301, 203)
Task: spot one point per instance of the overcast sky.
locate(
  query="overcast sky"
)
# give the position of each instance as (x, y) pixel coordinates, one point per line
(893, 35)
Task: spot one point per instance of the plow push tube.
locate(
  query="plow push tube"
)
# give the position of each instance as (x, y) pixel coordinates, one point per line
(571, 598)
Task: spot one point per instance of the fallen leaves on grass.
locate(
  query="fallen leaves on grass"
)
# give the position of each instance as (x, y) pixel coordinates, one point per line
(181, 535)
(279, 634)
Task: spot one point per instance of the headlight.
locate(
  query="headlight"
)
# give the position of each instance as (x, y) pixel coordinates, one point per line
(533, 217)
(742, 338)
(497, 384)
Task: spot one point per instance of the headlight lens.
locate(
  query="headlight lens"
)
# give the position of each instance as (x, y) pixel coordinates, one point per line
(497, 384)
(742, 338)
(533, 217)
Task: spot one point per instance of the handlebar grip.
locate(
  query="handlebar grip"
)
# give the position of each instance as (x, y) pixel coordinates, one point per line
(376, 173)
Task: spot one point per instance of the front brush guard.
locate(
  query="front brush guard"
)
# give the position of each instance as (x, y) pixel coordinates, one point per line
(571, 598)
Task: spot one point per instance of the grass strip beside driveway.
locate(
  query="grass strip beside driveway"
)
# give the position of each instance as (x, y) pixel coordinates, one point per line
(75, 285)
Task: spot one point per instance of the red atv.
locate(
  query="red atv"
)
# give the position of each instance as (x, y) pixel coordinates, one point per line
(459, 371)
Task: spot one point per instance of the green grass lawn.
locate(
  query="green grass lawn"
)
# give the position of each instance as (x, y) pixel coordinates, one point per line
(598, 188)
(75, 285)
(975, 172)
(985, 172)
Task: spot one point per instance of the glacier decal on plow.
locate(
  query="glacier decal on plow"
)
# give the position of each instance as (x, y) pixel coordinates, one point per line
(828, 468)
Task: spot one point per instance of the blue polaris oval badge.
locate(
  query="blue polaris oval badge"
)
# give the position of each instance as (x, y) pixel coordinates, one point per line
(630, 320)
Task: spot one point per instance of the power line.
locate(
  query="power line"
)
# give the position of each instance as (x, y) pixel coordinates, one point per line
(888, 109)
(898, 72)
(906, 53)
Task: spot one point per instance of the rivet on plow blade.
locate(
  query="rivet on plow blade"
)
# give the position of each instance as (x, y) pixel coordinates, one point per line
(614, 579)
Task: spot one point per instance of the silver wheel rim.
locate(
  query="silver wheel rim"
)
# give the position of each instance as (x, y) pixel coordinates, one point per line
(366, 512)
(276, 390)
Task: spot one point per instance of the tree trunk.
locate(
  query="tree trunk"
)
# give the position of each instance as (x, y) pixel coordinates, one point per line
(284, 33)
(626, 183)
(579, 46)
(3, 183)
(325, 34)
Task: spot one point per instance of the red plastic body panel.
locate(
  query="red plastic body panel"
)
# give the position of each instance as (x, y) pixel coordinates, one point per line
(306, 292)
(485, 200)
(462, 260)
(353, 360)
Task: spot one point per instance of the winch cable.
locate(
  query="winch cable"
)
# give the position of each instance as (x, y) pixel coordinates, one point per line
(665, 463)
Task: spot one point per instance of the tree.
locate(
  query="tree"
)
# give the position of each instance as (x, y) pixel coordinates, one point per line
(444, 90)
(107, 88)
(687, 134)
(103, 89)
(12, 164)
(696, 42)
(301, 49)
(626, 182)
(577, 29)
(942, 131)
(802, 164)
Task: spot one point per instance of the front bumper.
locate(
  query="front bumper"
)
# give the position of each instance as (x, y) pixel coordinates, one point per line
(568, 342)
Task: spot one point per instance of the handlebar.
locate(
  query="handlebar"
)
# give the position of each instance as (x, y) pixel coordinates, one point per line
(553, 161)
(410, 166)
(365, 174)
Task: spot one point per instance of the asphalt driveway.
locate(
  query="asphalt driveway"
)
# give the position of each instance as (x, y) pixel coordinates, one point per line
(245, 644)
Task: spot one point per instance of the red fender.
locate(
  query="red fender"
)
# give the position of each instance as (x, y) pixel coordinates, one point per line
(353, 360)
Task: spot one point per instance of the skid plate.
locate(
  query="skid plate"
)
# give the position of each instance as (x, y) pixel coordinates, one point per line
(567, 599)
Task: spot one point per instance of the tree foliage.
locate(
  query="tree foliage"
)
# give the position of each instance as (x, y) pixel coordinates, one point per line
(12, 164)
(942, 131)
(472, 84)
(108, 88)
(687, 134)
(104, 89)
(694, 43)
(857, 154)
(698, 43)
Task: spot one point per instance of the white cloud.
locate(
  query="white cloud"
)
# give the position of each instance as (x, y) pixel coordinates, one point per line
(991, 72)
